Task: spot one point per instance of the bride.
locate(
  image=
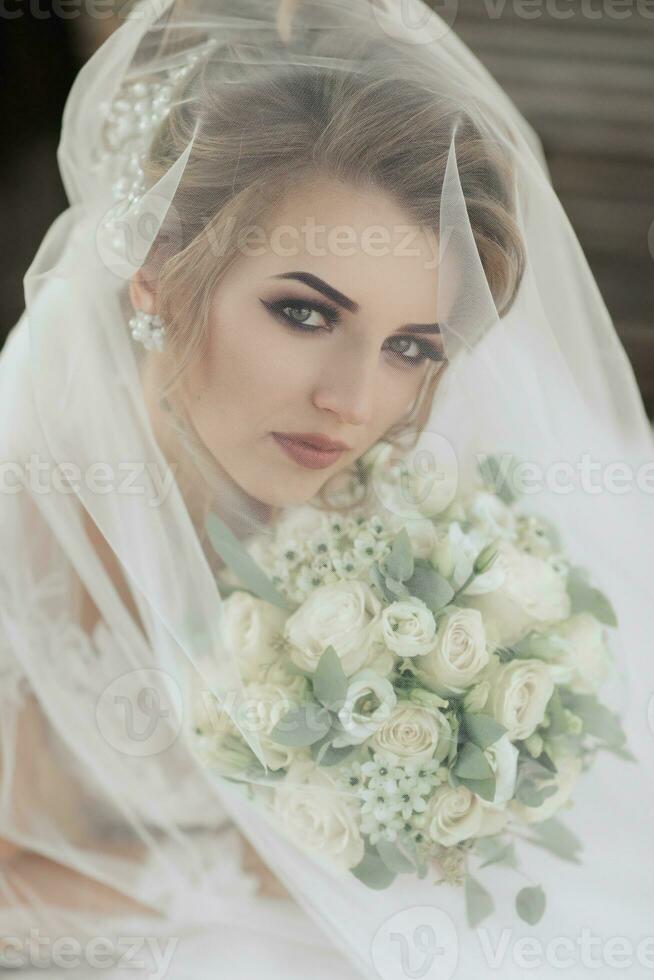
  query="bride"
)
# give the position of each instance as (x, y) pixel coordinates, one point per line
(297, 231)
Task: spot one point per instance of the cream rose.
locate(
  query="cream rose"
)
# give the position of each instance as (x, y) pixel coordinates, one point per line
(369, 701)
(263, 706)
(584, 653)
(565, 778)
(408, 627)
(345, 616)
(458, 655)
(519, 694)
(413, 732)
(453, 815)
(317, 816)
(251, 628)
(531, 595)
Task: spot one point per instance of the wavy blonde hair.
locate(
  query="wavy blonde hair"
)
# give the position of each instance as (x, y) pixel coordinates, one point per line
(276, 125)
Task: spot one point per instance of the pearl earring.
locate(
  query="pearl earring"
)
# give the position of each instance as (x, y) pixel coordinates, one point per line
(148, 329)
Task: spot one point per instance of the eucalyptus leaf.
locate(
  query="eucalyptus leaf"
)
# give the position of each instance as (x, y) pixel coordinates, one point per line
(471, 763)
(393, 857)
(530, 904)
(399, 563)
(426, 584)
(230, 549)
(329, 680)
(597, 719)
(482, 787)
(585, 598)
(302, 726)
(482, 729)
(479, 903)
(496, 850)
(372, 871)
(496, 471)
(557, 838)
(531, 794)
(325, 754)
(396, 588)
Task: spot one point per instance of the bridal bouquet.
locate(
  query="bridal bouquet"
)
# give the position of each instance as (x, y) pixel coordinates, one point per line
(422, 687)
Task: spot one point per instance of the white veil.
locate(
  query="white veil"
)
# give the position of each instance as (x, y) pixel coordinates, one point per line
(100, 771)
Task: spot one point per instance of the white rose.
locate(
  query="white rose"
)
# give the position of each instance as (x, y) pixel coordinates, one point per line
(453, 815)
(403, 489)
(368, 703)
(408, 627)
(502, 757)
(584, 653)
(413, 732)
(344, 615)
(263, 707)
(458, 655)
(565, 778)
(519, 694)
(318, 816)
(494, 818)
(530, 596)
(251, 627)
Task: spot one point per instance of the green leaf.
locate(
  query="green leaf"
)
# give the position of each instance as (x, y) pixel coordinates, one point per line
(530, 904)
(324, 754)
(531, 794)
(397, 589)
(393, 858)
(482, 787)
(585, 598)
(557, 838)
(482, 729)
(329, 679)
(302, 726)
(372, 871)
(479, 903)
(495, 850)
(471, 763)
(597, 719)
(496, 472)
(409, 846)
(426, 584)
(230, 549)
(399, 563)
(558, 722)
(546, 762)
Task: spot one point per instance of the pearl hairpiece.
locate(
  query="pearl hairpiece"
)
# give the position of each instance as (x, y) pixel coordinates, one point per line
(131, 120)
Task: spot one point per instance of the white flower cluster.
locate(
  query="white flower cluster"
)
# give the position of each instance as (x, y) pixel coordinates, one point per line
(311, 548)
(392, 794)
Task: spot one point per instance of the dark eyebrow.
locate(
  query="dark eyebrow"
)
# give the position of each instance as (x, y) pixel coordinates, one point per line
(348, 304)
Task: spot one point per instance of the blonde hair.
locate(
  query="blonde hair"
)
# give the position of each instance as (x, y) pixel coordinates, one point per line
(278, 124)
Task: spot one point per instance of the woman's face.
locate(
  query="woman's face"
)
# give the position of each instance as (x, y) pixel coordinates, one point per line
(314, 337)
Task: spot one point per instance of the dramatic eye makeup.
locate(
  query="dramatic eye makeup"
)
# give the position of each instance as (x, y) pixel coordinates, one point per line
(312, 316)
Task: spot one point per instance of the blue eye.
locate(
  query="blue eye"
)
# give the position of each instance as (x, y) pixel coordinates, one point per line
(306, 308)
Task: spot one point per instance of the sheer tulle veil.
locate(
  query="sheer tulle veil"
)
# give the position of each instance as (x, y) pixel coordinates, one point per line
(152, 159)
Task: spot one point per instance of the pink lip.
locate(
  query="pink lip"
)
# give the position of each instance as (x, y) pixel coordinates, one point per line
(306, 455)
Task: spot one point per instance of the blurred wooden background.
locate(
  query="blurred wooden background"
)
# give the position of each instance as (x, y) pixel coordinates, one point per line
(581, 71)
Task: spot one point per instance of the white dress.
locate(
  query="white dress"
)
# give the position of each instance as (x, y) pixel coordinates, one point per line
(219, 928)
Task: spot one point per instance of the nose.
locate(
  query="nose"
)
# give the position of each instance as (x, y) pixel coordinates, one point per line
(348, 387)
